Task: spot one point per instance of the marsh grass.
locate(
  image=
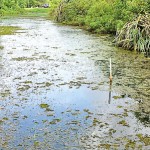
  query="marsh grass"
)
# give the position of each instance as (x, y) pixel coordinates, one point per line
(135, 35)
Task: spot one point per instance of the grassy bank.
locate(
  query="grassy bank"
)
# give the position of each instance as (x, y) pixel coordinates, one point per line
(11, 12)
(36, 12)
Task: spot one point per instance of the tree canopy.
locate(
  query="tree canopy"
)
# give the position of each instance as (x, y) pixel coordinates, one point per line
(12, 6)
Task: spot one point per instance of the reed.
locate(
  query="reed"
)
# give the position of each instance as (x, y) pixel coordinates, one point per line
(135, 35)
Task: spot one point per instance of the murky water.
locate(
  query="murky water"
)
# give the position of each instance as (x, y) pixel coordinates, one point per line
(55, 93)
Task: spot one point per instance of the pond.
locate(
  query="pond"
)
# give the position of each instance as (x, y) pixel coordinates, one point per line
(55, 92)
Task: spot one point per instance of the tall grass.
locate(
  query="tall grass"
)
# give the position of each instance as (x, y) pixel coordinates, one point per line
(135, 35)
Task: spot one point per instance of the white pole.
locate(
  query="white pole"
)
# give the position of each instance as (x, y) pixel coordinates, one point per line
(110, 66)
(110, 77)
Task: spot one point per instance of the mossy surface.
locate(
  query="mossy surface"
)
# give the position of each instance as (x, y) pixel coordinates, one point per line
(1, 47)
(8, 30)
(44, 106)
(123, 122)
(144, 139)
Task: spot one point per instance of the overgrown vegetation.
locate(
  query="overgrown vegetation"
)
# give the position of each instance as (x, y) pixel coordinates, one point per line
(108, 16)
(12, 7)
(136, 34)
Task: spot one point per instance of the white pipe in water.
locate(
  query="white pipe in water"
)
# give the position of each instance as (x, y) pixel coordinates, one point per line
(110, 77)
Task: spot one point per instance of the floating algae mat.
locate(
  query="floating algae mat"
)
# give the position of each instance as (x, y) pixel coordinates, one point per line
(6, 30)
(55, 92)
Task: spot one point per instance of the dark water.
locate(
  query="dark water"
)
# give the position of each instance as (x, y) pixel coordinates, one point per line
(55, 93)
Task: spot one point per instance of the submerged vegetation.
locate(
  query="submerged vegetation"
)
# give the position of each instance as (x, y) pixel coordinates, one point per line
(107, 16)
(55, 91)
(7, 30)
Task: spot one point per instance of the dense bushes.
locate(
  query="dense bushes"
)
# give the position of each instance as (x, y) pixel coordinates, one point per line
(104, 16)
(10, 7)
(98, 15)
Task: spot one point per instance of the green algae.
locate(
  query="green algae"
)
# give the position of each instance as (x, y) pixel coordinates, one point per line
(48, 109)
(50, 114)
(123, 122)
(125, 114)
(23, 88)
(75, 113)
(112, 131)
(32, 73)
(143, 117)
(48, 84)
(118, 97)
(130, 145)
(1, 47)
(25, 117)
(5, 118)
(36, 143)
(87, 111)
(105, 146)
(88, 116)
(55, 121)
(144, 139)
(119, 106)
(54, 132)
(96, 121)
(8, 30)
(95, 88)
(24, 59)
(44, 106)
(74, 122)
(5, 93)
(1, 121)
(5, 144)
(27, 82)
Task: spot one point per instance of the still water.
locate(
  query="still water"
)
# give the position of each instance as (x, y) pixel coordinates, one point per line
(55, 92)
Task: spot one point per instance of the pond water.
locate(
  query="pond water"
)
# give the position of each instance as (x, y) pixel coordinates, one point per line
(55, 92)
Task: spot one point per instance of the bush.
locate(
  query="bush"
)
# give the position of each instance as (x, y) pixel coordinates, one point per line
(135, 34)
(99, 17)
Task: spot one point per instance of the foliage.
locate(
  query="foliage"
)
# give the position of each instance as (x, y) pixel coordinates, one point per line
(100, 18)
(135, 34)
(103, 16)
(54, 4)
(98, 15)
(10, 7)
(36, 12)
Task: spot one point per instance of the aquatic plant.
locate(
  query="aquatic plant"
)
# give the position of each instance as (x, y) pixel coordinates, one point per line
(1, 47)
(44, 105)
(135, 35)
(144, 139)
(7, 30)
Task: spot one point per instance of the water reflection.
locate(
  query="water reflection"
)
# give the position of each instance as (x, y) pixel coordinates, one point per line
(56, 89)
(110, 90)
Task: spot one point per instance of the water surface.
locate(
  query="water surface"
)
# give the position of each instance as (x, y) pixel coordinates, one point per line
(55, 92)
